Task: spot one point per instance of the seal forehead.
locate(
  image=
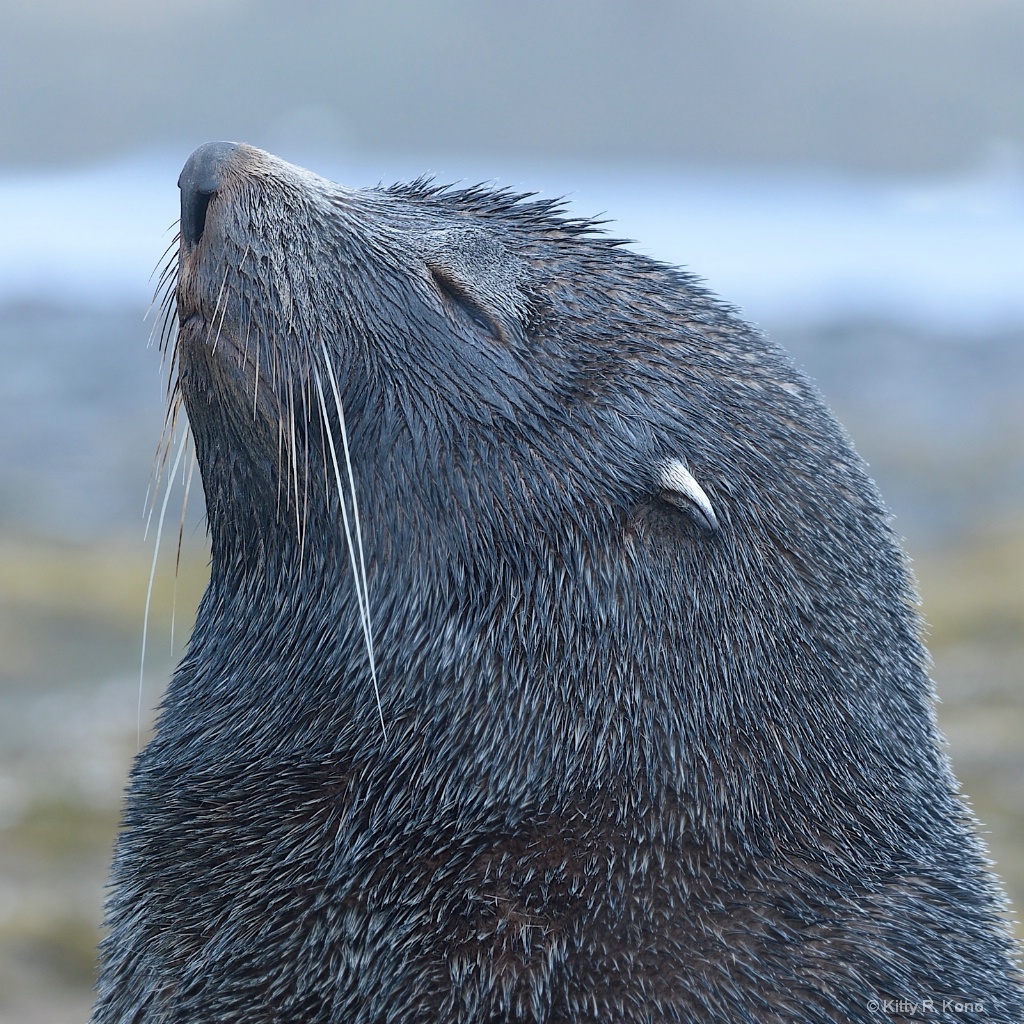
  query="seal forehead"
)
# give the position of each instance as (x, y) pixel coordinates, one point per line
(474, 250)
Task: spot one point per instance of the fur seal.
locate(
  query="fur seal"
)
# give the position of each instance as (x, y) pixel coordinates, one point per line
(557, 663)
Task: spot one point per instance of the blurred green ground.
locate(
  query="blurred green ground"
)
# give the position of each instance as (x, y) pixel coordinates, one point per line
(71, 626)
(70, 632)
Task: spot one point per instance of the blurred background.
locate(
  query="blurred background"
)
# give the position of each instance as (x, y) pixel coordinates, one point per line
(850, 174)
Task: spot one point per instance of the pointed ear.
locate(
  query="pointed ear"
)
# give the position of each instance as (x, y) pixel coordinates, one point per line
(680, 488)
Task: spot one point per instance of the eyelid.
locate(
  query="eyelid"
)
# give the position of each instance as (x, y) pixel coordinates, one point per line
(459, 296)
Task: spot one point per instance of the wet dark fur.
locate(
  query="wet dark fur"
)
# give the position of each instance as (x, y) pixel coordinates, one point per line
(634, 770)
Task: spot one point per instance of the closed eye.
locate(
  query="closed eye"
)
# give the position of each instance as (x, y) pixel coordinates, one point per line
(459, 299)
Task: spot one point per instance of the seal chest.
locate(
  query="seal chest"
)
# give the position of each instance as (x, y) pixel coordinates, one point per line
(557, 661)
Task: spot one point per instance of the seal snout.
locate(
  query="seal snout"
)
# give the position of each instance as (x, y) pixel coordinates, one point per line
(200, 180)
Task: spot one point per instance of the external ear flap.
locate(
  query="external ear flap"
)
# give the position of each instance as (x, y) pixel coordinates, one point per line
(679, 488)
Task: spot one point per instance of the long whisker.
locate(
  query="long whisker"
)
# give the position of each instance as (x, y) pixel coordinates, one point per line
(149, 588)
(302, 500)
(162, 456)
(256, 367)
(168, 269)
(293, 460)
(220, 311)
(362, 592)
(352, 490)
(167, 264)
(167, 325)
(192, 463)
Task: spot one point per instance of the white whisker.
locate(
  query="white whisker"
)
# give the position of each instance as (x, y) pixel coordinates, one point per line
(149, 588)
(220, 311)
(358, 572)
(192, 463)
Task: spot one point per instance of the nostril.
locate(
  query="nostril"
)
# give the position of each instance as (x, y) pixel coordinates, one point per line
(193, 215)
(200, 180)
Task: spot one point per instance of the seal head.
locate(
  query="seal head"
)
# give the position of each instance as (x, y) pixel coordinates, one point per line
(557, 663)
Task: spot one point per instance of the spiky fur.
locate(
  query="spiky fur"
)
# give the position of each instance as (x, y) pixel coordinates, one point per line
(622, 768)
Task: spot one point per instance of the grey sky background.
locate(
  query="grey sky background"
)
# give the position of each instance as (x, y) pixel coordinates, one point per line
(879, 86)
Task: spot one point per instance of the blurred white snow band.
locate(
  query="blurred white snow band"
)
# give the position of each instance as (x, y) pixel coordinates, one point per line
(786, 249)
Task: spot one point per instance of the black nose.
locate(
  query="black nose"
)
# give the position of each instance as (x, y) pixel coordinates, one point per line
(199, 181)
